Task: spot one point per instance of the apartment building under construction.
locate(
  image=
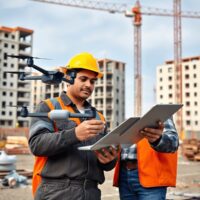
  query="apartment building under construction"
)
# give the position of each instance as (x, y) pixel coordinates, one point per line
(108, 96)
(165, 91)
(13, 92)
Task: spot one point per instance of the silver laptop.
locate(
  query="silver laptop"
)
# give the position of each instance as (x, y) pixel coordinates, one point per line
(128, 132)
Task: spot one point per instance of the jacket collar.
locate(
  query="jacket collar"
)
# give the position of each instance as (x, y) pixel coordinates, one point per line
(67, 101)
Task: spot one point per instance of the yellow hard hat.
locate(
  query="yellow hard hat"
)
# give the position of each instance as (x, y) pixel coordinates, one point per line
(84, 61)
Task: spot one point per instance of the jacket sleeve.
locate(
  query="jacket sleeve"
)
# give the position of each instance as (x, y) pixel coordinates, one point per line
(44, 141)
(169, 141)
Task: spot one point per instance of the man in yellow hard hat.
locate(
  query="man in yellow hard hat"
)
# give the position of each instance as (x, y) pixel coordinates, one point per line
(61, 171)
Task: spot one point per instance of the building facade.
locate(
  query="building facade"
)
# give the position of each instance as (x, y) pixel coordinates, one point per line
(165, 92)
(108, 96)
(13, 92)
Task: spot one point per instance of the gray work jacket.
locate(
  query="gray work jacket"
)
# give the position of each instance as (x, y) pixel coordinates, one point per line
(64, 159)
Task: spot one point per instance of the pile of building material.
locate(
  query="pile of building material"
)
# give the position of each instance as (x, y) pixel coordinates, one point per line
(17, 145)
(191, 149)
(2, 141)
(15, 140)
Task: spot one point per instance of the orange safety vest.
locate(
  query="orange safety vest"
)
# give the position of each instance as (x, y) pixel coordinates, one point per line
(41, 161)
(155, 169)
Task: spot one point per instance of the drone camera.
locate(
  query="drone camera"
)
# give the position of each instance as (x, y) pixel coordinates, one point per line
(30, 61)
(24, 112)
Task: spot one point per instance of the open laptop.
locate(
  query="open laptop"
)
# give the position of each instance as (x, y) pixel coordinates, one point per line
(128, 132)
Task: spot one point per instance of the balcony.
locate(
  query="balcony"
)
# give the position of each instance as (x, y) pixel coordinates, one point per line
(99, 107)
(24, 52)
(109, 82)
(24, 44)
(99, 95)
(25, 41)
(109, 107)
(109, 94)
(24, 87)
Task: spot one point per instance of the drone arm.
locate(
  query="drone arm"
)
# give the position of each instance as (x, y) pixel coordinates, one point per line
(40, 69)
(33, 78)
(24, 113)
(37, 115)
(80, 115)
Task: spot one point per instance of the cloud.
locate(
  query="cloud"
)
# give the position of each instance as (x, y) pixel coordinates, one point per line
(60, 32)
(14, 4)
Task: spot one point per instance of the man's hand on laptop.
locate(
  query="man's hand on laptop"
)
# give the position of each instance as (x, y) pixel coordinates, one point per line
(107, 154)
(153, 134)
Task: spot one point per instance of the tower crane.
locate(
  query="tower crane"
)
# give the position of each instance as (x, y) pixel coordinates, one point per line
(136, 13)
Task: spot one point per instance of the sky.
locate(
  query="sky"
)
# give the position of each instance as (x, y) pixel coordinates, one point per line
(61, 32)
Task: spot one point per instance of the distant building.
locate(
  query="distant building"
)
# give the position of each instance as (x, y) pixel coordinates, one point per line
(108, 96)
(13, 92)
(165, 91)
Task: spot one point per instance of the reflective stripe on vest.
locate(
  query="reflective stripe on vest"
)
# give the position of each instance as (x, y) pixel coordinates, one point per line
(54, 103)
(155, 169)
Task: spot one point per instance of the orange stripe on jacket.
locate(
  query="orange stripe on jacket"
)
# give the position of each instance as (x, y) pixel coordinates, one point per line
(39, 160)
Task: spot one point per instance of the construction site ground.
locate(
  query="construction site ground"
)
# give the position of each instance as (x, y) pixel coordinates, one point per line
(188, 182)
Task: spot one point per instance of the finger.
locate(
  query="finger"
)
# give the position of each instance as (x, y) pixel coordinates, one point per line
(153, 131)
(161, 125)
(97, 127)
(95, 122)
(107, 153)
(91, 135)
(94, 132)
(113, 151)
(101, 157)
(150, 135)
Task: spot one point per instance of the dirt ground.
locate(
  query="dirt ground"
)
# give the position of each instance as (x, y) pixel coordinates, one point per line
(188, 183)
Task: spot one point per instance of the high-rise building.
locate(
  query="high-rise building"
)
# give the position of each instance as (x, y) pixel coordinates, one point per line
(13, 92)
(108, 96)
(165, 91)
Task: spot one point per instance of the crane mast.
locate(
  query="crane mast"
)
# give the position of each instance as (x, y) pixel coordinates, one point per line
(137, 60)
(178, 60)
(136, 12)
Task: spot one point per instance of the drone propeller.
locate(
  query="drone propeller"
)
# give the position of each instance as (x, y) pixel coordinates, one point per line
(17, 72)
(21, 75)
(26, 57)
(19, 106)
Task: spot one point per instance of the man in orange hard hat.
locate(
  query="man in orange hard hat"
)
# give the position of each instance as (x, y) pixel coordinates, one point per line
(61, 171)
